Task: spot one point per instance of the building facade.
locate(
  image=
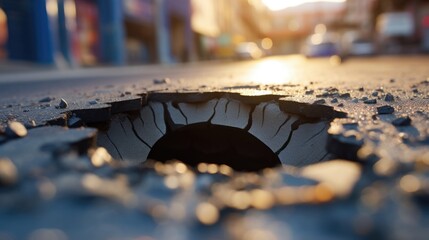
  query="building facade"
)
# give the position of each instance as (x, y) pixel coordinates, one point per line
(220, 25)
(94, 32)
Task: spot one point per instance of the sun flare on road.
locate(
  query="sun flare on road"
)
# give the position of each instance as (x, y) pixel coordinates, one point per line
(272, 71)
(275, 5)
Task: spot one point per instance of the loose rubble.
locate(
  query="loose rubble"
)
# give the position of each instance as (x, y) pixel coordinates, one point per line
(389, 98)
(378, 191)
(402, 121)
(15, 130)
(63, 104)
(386, 109)
(370, 101)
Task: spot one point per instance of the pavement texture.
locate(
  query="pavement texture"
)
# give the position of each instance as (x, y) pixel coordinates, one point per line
(278, 148)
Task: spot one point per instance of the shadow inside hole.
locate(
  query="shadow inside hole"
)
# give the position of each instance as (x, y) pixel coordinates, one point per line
(208, 143)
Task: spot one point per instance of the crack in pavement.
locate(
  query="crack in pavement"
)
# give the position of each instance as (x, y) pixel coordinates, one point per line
(133, 128)
(114, 145)
(293, 129)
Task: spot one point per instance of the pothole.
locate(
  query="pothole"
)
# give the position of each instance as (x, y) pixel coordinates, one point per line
(210, 143)
(247, 135)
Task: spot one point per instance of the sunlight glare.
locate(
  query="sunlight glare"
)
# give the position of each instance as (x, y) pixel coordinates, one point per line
(276, 5)
(271, 71)
(52, 8)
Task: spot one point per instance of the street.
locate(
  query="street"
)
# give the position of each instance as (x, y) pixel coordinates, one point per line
(292, 70)
(330, 149)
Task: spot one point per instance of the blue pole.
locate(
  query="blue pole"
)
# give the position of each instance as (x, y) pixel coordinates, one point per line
(63, 34)
(42, 33)
(30, 36)
(112, 31)
(162, 32)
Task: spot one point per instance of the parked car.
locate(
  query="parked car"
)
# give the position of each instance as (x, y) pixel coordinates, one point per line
(320, 45)
(395, 24)
(248, 50)
(394, 30)
(361, 47)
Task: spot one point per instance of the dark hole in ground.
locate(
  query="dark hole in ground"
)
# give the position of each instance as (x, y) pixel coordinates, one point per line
(217, 144)
(246, 137)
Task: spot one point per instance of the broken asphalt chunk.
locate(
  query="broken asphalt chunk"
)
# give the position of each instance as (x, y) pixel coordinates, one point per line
(345, 95)
(74, 122)
(386, 109)
(370, 101)
(126, 105)
(101, 113)
(309, 110)
(389, 98)
(402, 121)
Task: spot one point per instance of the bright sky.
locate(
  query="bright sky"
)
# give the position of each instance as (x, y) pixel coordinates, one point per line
(275, 5)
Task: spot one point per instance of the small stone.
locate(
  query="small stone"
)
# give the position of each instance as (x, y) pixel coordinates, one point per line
(100, 157)
(389, 98)
(335, 100)
(370, 101)
(74, 122)
(355, 100)
(46, 99)
(385, 110)
(341, 105)
(392, 80)
(8, 172)
(309, 92)
(375, 94)
(63, 103)
(361, 89)
(25, 110)
(324, 95)
(364, 98)
(161, 81)
(415, 90)
(127, 93)
(332, 89)
(32, 123)
(345, 95)
(402, 121)
(320, 101)
(93, 102)
(15, 130)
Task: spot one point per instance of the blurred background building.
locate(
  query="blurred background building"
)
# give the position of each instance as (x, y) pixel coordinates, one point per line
(69, 33)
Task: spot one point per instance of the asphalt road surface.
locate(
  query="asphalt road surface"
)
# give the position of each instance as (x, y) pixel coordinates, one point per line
(370, 72)
(351, 139)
